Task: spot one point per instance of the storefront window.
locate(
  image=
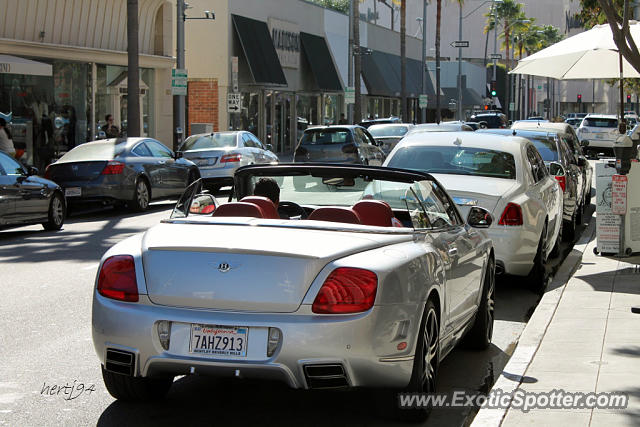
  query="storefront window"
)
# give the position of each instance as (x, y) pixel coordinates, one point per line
(331, 109)
(247, 118)
(307, 109)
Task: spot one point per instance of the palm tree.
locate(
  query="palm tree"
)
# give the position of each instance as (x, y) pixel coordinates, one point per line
(509, 12)
(438, 21)
(403, 60)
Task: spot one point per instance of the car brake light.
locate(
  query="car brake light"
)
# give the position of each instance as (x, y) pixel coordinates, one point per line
(113, 168)
(562, 180)
(346, 290)
(229, 158)
(117, 279)
(512, 215)
(47, 173)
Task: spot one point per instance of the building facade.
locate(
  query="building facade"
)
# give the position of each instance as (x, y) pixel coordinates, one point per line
(83, 44)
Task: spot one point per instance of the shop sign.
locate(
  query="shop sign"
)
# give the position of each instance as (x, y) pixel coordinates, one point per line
(178, 81)
(423, 101)
(234, 73)
(286, 39)
(619, 194)
(350, 95)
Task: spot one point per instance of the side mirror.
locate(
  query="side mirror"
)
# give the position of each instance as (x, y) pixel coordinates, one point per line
(269, 147)
(32, 171)
(479, 217)
(584, 143)
(582, 162)
(203, 204)
(556, 169)
(178, 155)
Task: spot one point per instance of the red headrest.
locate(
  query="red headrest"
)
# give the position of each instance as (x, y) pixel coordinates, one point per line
(335, 215)
(374, 212)
(268, 207)
(239, 209)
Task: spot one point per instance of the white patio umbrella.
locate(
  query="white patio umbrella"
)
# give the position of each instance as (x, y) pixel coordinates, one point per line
(591, 54)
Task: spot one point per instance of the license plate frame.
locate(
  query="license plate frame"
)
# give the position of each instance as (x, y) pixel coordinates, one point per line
(599, 136)
(73, 192)
(208, 340)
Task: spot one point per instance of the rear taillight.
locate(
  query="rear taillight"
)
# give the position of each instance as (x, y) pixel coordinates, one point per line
(113, 168)
(512, 215)
(230, 158)
(562, 180)
(346, 290)
(117, 279)
(47, 172)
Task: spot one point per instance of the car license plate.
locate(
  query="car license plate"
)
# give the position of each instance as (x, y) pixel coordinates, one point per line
(599, 136)
(73, 192)
(219, 340)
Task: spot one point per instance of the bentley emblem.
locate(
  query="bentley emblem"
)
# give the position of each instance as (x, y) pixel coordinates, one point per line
(224, 267)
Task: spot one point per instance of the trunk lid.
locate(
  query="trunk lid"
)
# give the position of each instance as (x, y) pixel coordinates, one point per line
(241, 267)
(467, 191)
(76, 171)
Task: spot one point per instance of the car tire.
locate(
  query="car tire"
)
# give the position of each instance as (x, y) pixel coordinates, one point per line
(135, 389)
(480, 334)
(556, 248)
(569, 229)
(579, 215)
(56, 213)
(587, 201)
(538, 274)
(425, 370)
(141, 196)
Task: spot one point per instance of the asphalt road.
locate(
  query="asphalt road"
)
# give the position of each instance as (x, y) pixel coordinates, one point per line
(46, 283)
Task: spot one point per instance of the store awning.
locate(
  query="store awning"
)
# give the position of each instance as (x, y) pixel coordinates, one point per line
(257, 45)
(381, 74)
(15, 65)
(324, 70)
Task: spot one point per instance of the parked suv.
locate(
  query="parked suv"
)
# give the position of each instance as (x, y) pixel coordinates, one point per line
(492, 120)
(600, 131)
(339, 144)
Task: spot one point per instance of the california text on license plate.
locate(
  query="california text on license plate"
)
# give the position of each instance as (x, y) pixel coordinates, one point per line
(599, 136)
(73, 192)
(219, 340)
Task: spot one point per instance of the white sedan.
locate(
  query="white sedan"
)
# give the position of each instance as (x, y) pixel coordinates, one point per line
(504, 174)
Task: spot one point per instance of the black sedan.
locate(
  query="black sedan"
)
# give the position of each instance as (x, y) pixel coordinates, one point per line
(28, 199)
(128, 170)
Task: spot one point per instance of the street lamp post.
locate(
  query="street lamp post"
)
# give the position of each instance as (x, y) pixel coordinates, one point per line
(178, 100)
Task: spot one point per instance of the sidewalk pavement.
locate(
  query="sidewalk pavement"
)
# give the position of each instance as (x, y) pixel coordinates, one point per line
(582, 337)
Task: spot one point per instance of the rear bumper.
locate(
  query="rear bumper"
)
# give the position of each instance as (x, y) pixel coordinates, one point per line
(223, 172)
(514, 248)
(99, 190)
(348, 341)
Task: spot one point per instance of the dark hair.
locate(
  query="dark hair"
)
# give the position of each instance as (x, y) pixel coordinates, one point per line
(3, 123)
(106, 118)
(267, 187)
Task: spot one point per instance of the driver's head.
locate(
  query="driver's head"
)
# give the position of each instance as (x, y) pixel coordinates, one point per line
(267, 187)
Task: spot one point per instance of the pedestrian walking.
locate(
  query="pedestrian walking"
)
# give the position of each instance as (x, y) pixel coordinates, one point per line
(343, 120)
(110, 130)
(6, 144)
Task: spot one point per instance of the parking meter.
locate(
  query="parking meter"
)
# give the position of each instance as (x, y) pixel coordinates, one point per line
(626, 148)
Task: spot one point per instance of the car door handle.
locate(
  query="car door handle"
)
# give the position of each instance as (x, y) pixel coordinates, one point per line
(453, 251)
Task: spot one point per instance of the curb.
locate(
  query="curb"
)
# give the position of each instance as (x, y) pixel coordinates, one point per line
(511, 376)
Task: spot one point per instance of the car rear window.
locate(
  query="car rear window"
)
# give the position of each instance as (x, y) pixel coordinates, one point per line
(600, 123)
(103, 150)
(547, 148)
(326, 136)
(491, 120)
(383, 131)
(457, 160)
(214, 140)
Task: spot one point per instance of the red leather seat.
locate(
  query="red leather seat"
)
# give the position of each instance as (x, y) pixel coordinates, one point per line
(374, 212)
(335, 214)
(268, 207)
(239, 209)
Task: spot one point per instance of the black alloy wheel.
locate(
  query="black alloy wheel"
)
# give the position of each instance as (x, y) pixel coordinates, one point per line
(56, 213)
(480, 334)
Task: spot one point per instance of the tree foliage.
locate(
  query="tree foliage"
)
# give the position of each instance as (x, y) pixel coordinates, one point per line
(337, 5)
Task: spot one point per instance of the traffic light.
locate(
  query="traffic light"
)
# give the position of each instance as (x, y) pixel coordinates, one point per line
(579, 98)
(628, 99)
(494, 92)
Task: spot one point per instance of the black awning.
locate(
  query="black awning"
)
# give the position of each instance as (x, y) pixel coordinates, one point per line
(317, 53)
(258, 48)
(381, 74)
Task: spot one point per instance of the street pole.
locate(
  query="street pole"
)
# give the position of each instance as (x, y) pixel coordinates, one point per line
(460, 62)
(357, 62)
(178, 100)
(403, 61)
(424, 56)
(350, 60)
(133, 70)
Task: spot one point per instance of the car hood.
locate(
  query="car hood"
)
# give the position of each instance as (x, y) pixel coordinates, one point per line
(474, 190)
(243, 267)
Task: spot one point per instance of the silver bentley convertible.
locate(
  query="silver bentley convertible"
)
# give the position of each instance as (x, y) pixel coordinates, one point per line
(320, 276)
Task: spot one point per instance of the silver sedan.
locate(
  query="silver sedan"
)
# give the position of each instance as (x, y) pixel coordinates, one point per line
(218, 155)
(372, 286)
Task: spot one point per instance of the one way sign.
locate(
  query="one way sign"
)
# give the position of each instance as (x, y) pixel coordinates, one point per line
(233, 102)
